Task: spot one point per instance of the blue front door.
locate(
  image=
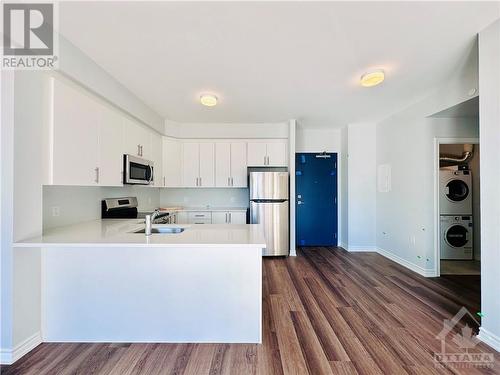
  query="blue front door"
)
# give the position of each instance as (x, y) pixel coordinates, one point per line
(316, 199)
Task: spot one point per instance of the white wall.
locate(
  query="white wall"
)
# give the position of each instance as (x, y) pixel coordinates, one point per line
(344, 191)
(405, 141)
(489, 113)
(317, 140)
(361, 186)
(6, 209)
(78, 66)
(216, 130)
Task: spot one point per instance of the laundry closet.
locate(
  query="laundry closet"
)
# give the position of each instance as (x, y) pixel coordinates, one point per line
(459, 209)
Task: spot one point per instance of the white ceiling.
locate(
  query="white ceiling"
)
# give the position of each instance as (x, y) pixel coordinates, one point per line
(269, 62)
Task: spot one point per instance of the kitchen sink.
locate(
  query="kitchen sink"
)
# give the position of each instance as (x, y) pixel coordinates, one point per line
(162, 230)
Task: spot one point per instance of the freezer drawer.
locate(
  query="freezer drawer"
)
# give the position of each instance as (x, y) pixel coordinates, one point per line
(268, 185)
(273, 216)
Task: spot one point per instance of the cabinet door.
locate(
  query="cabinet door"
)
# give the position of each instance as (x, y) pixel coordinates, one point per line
(157, 158)
(222, 164)
(190, 164)
(137, 139)
(256, 154)
(221, 217)
(207, 165)
(172, 156)
(237, 217)
(110, 148)
(239, 165)
(75, 130)
(276, 153)
(182, 217)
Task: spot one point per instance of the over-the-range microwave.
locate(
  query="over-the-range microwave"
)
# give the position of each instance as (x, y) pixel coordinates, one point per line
(137, 171)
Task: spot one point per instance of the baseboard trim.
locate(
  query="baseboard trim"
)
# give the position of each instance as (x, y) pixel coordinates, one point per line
(489, 339)
(403, 262)
(9, 356)
(354, 249)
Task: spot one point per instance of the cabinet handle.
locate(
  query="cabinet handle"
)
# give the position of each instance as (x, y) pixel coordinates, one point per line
(141, 151)
(226, 217)
(232, 182)
(201, 184)
(196, 181)
(164, 183)
(230, 218)
(97, 175)
(138, 150)
(265, 159)
(229, 181)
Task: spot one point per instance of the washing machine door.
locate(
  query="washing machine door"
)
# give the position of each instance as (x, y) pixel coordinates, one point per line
(457, 236)
(457, 190)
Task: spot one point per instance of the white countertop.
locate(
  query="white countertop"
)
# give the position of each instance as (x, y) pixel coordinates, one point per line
(205, 208)
(119, 233)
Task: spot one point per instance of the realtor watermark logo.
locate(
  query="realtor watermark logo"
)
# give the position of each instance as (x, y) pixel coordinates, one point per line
(467, 357)
(29, 41)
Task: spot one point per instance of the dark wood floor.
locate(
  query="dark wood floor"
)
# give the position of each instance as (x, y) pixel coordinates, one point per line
(325, 312)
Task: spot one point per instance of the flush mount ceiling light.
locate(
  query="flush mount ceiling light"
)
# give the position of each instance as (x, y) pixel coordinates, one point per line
(208, 100)
(372, 78)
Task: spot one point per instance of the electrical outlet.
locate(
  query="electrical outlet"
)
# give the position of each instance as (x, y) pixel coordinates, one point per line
(56, 211)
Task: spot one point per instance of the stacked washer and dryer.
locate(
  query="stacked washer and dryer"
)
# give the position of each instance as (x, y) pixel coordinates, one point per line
(456, 213)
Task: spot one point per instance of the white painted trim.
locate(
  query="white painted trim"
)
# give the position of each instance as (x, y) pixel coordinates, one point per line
(426, 272)
(489, 338)
(291, 170)
(437, 232)
(353, 249)
(8, 356)
(343, 245)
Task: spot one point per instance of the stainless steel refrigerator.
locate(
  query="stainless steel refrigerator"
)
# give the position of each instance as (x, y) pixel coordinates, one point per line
(269, 207)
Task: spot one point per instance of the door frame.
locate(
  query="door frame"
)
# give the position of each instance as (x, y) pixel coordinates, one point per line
(339, 195)
(437, 223)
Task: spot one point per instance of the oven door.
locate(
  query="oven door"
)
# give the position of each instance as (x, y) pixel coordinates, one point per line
(137, 170)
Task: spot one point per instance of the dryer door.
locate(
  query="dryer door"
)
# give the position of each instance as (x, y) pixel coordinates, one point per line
(457, 236)
(457, 190)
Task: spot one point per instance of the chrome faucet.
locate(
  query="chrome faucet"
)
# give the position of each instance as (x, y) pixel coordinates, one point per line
(149, 219)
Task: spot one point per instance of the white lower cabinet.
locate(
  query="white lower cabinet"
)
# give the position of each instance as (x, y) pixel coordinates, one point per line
(229, 217)
(200, 217)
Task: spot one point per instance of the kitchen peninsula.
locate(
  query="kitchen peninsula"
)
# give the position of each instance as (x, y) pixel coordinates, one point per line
(104, 282)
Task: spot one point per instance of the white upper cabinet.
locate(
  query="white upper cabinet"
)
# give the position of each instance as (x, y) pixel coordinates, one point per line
(257, 154)
(239, 164)
(207, 165)
(231, 164)
(137, 139)
(157, 158)
(276, 154)
(267, 154)
(190, 164)
(198, 164)
(222, 164)
(75, 129)
(172, 175)
(110, 148)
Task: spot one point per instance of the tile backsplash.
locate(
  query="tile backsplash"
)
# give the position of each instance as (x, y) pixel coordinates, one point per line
(67, 205)
(214, 197)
